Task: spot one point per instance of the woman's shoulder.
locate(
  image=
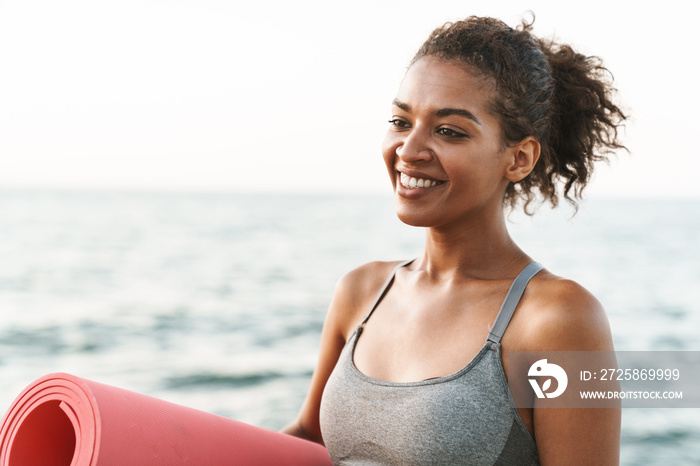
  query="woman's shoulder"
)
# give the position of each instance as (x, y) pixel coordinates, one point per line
(367, 277)
(356, 291)
(559, 314)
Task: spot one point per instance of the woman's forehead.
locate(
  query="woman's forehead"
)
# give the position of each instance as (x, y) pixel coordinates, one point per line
(435, 83)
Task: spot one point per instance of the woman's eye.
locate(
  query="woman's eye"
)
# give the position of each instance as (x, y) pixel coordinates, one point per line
(450, 133)
(399, 123)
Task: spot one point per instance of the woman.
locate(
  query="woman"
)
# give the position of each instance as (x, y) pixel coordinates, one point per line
(414, 355)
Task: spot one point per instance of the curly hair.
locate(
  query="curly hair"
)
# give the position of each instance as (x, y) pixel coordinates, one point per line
(545, 90)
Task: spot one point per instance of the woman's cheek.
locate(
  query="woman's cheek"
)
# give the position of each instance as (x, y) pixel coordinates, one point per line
(389, 153)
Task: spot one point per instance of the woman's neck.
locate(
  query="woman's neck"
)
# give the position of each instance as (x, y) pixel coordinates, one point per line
(480, 249)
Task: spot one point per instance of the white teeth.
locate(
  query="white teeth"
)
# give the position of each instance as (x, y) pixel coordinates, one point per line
(416, 183)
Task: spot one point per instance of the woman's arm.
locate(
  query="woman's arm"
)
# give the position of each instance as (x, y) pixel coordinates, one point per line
(306, 425)
(571, 319)
(353, 294)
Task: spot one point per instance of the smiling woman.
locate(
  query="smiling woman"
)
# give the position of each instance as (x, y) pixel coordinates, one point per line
(414, 354)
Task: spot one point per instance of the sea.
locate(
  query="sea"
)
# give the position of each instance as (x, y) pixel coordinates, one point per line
(216, 300)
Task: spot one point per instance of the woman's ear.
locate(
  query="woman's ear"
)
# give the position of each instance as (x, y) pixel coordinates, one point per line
(524, 157)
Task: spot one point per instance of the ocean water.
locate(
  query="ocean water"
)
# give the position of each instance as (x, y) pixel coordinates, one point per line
(216, 301)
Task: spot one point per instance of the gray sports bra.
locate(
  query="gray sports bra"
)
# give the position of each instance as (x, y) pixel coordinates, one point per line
(465, 418)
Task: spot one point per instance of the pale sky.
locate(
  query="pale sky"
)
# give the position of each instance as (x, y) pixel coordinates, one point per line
(294, 96)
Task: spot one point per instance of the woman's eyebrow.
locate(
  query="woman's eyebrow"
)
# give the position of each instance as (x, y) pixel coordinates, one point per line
(458, 111)
(402, 105)
(442, 112)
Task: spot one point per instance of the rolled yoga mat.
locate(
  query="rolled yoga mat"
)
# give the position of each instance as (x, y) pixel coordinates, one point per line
(61, 419)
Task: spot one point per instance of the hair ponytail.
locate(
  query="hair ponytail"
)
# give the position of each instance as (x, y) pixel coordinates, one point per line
(586, 121)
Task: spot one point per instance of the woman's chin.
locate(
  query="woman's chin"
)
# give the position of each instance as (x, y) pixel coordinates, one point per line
(413, 217)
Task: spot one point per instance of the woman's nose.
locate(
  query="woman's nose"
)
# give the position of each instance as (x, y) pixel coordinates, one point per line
(414, 148)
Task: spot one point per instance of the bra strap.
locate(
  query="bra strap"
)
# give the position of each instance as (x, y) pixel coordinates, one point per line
(511, 302)
(384, 289)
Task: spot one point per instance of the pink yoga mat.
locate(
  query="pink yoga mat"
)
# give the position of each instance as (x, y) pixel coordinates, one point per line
(62, 419)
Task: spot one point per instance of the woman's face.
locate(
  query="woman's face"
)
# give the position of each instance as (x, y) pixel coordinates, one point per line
(443, 148)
